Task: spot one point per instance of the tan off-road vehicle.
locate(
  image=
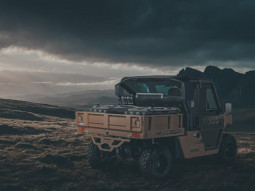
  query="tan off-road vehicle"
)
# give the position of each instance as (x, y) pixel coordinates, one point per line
(159, 119)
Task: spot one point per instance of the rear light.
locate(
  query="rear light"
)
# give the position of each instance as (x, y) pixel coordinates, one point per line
(82, 129)
(137, 135)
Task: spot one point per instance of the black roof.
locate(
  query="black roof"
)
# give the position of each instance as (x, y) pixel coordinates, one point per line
(180, 78)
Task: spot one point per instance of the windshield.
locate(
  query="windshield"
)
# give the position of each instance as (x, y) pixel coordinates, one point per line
(166, 87)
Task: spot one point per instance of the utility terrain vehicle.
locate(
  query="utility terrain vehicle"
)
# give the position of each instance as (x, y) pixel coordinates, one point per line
(159, 119)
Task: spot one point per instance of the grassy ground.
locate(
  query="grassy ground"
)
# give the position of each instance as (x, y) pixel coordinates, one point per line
(50, 155)
(44, 152)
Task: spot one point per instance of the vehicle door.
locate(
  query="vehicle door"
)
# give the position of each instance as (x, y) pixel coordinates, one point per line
(210, 122)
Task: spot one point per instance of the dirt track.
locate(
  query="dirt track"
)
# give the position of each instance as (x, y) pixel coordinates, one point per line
(49, 155)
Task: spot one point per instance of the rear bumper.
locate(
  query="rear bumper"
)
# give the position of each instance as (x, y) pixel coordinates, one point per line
(108, 143)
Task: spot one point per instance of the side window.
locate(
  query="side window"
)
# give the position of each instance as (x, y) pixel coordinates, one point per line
(210, 100)
(168, 90)
(143, 88)
(162, 89)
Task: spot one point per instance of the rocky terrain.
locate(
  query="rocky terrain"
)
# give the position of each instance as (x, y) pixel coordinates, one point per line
(46, 153)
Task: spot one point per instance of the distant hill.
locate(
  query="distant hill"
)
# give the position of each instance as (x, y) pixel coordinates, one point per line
(78, 100)
(244, 117)
(24, 110)
(233, 87)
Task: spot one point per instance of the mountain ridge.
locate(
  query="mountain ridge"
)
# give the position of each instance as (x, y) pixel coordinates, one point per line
(232, 86)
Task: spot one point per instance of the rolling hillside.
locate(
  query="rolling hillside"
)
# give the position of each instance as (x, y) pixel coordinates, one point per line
(78, 100)
(15, 109)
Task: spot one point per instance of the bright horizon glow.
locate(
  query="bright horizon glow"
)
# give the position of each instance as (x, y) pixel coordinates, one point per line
(23, 69)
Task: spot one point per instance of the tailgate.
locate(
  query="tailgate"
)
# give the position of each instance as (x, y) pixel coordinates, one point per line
(110, 124)
(130, 126)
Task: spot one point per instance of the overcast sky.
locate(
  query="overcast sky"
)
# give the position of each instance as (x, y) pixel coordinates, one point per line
(54, 46)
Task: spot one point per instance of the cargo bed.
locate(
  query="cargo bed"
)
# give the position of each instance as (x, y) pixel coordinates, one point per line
(130, 126)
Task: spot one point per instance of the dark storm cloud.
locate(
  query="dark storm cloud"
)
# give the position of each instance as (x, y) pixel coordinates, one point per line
(146, 31)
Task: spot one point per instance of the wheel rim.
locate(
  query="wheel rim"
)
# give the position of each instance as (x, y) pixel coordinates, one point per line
(161, 163)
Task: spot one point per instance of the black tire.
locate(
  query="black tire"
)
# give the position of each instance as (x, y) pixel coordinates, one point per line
(98, 158)
(156, 162)
(228, 149)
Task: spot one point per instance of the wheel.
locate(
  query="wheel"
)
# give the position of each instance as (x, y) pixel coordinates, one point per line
(98, 158)
(228, 149)
(156, 162)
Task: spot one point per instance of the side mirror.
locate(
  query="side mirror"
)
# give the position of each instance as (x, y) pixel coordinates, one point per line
(228, 107)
